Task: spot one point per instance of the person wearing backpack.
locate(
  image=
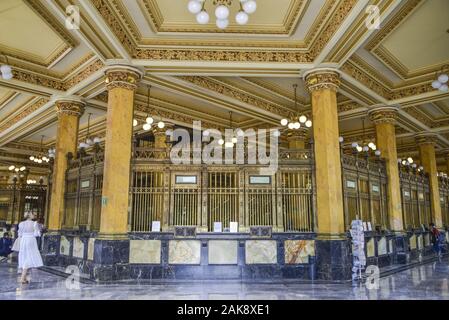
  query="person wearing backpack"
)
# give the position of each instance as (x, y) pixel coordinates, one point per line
(435, 238)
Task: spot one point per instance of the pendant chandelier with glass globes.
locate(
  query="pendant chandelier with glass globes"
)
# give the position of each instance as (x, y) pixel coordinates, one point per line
(300, 120)
(149, 120)
(222, 11)
(407, 162)
(442, 78)
(365, 146)
(233, 140)
(89, 141)
(6, 71)
(40, 156)
(17, 168)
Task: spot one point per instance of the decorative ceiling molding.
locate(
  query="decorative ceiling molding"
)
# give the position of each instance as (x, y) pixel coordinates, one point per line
(69, 41)
(226, 90)
(155, 19)
(294, 56)
(381, 88)
(56, 84)
(30, 109)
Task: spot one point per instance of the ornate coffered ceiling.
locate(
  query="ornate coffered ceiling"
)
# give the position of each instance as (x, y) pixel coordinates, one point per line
(201, 73)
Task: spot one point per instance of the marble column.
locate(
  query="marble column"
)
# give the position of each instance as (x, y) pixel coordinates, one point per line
(297, 139)
(323, 85)
(384, 119)
(69, 112)
(332, 245)
(426, 144)
(121, 83)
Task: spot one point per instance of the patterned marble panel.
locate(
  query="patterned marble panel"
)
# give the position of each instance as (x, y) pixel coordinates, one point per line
(382, 246)
(420, 242)
(223, 251)
(260, 252)
(78, 248)
(90, 249)
(184, 252)
(298, 251)
(64, 247)
(427, 240)
(145, 251)
(370, 248)
(412, 241)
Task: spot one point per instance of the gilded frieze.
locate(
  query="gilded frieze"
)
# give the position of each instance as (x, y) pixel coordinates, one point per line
(322, 80)
(73, 108)
(118, 78)
(35, 106)
(239, 95)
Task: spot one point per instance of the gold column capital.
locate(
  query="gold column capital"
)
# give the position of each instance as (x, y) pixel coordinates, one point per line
(320, 79)
(70, 107)
(122, 77)
(425, 138)
(384, 114)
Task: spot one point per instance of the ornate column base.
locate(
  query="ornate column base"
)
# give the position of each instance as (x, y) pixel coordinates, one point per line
(51, 243)
(402, 255)
(111, 260)
(333, 258)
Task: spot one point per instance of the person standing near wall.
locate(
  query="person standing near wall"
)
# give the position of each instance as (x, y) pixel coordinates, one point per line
(29, 256)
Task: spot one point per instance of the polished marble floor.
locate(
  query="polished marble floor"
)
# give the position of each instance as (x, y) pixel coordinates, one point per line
(429, 281)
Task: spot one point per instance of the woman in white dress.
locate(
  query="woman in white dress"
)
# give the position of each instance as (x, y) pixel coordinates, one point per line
(29, 256)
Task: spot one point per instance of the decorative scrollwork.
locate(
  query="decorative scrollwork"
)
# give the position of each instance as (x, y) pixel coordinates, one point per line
(73, 108)
(122, 78)
(322, 80)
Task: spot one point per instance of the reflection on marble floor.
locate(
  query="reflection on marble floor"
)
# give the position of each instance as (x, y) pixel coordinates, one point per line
(430, 281)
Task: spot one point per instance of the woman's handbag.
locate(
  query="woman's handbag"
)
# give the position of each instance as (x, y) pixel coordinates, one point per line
(16, 245)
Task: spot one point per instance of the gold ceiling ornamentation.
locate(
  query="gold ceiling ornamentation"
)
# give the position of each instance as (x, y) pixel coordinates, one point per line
(69, 42)
(415, 113)
(348, 106)
(296, 56)
(241, 96)
(411, 91)
(155, 19)
(384, 115)
(50, 82)
(364, 74)
(392, 24)
(275, 89)
(361, 76)
(109, 16)
(223, 55)
(83, 74)
(332, 26)
(375, 47)
(39, 8)
(425, 138)
(71, 108)
(122, 78)
(183, 118)
(321, 80)
(24, 146)
(38, 104)
(33, 78)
